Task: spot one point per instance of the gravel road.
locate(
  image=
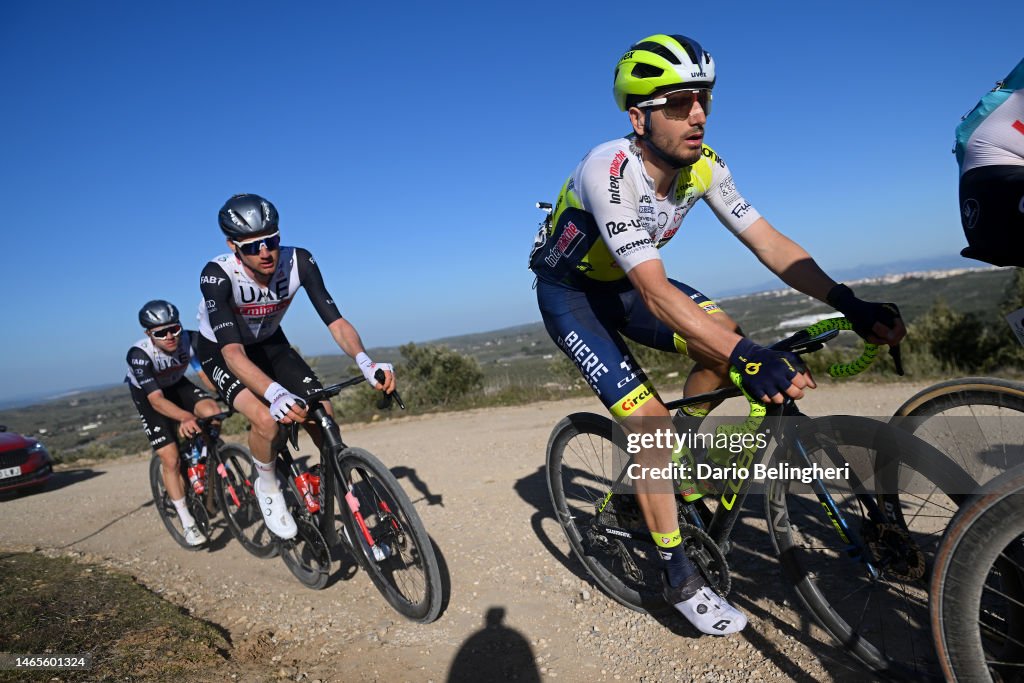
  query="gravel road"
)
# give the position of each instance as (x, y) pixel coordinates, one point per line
(519, 607)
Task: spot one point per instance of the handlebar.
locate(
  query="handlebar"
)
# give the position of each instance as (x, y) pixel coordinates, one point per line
(813, 338)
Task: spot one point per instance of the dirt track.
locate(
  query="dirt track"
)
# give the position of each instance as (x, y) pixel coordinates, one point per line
(502, 552)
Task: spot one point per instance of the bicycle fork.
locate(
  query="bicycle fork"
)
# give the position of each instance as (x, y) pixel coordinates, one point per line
(855, 548)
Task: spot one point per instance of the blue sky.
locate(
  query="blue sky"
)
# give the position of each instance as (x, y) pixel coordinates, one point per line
(404, 144)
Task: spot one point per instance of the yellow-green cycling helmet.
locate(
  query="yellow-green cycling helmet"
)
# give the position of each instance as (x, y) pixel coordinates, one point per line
(659, 61)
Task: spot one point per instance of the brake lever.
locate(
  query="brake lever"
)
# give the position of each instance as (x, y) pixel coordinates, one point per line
(384, 402)
(897, 358)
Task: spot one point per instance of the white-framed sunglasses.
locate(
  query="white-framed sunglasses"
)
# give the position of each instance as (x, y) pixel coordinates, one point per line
(679, 103)
(253, 246)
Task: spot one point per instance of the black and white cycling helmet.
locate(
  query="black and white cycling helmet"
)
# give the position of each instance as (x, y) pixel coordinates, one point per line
(158, 313)
(245, 215)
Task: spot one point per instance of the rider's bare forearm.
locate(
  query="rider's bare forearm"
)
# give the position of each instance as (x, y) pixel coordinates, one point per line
(346, 337)
(704, 337)
(787, 259)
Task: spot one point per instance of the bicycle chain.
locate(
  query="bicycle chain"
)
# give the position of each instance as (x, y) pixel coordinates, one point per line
(708, 557)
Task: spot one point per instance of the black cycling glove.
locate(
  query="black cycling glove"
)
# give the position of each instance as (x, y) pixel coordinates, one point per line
(862, 314)
(765, 372)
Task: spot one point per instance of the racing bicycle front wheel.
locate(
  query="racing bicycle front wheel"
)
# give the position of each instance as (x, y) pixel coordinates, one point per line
(387, 535)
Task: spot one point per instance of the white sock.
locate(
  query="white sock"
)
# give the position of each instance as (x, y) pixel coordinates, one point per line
(268, 476)
(186, 517)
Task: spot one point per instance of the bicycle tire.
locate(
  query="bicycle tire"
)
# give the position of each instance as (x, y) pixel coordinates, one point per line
(854, 608)
(238, 503)
(307, 556)
(169, 514)
(976, 421)
(409, 578)
(977, 588)
(580, 471)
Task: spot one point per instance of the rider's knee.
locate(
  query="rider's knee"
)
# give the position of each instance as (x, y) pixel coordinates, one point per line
(264, 425)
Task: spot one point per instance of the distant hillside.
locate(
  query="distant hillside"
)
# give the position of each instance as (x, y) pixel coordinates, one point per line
(107, 418)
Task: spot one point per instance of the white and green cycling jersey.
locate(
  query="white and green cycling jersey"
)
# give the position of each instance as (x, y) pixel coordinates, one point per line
(992, 134)
(608, 217)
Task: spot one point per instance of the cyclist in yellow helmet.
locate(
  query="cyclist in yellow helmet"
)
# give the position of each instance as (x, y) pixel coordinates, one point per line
(600, 278)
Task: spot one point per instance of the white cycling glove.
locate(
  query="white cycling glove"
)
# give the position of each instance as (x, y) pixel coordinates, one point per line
(280, 399)
(370, 368)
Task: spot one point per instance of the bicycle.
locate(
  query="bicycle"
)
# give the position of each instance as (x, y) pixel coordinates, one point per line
(977, 421)
(378, 524)
(977, 588)
(205, 482)
(856, 561)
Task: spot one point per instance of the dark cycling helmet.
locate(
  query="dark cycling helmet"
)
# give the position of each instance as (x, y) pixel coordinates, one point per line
(157, 313)
(245, 215)
(660, 61)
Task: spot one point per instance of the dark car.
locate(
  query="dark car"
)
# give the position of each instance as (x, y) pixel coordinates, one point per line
(25, 464)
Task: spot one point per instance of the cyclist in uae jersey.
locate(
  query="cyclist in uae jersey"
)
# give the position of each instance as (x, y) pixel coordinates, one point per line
(165, 399)
(990, 152)
(600, 278)
(243, 349)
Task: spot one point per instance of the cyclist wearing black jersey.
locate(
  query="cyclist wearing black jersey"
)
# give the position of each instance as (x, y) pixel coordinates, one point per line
(600, 278)
(243, 349)
(164, 398)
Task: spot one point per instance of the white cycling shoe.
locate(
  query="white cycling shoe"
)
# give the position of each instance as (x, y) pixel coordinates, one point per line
(275, 513)
(706, 610)
(193, 536)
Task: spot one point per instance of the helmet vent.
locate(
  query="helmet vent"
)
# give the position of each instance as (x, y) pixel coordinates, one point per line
(692, 48)
(661, 51)
(646, 71)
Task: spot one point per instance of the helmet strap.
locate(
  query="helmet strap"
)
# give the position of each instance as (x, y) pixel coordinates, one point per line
(673, 162)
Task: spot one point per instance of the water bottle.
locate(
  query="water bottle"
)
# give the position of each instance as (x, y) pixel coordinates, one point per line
(197, 470)
(305, 486)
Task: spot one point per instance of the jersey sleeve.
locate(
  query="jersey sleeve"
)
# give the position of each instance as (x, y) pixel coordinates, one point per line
(612, 198)
(313, 282)
(725, 200)
(142, 369)
(216, 288)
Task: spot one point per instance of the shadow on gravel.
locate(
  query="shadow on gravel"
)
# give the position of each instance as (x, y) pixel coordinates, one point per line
(534, 490)
(494, 653)
(757, 576)
(402, 472)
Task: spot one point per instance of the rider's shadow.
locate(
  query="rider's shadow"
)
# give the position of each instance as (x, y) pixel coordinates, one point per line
(534, 490)
(494, 653)
(409, 473)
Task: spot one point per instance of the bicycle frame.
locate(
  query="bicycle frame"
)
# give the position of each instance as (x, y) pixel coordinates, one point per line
(786, 421)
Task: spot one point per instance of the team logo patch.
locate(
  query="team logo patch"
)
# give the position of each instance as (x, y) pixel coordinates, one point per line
(971, 211)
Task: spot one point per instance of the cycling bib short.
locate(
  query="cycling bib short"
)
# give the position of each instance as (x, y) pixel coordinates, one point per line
(161, 429)
(274, 356)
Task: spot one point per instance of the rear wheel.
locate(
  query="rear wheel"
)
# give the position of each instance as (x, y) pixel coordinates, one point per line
(387, 536)
(583, 463)
(169, 514)
(237, 501)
